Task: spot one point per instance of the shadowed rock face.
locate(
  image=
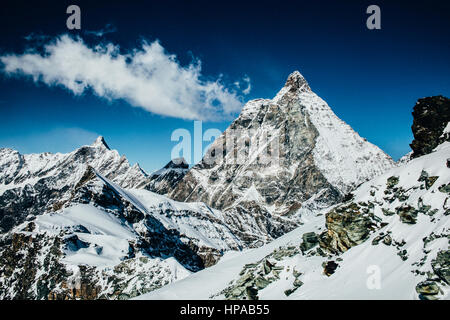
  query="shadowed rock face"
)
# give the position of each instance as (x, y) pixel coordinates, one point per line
(431, 116)
(165, 179)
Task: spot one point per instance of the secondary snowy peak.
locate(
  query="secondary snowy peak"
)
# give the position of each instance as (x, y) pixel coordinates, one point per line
(33, 183)
(314, 158)
(100, 143)
(17, 170)
(177, 163)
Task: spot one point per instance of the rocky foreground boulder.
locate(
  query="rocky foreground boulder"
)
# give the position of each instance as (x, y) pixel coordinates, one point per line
(431, 116)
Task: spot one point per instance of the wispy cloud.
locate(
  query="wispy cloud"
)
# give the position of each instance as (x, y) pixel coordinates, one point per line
(109, 28)
(146, 77)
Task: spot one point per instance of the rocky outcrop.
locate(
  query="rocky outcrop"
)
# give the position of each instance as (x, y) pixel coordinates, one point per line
(430, 289)
(431, 116)
(257, 276)
(310, 240)
(347, 226)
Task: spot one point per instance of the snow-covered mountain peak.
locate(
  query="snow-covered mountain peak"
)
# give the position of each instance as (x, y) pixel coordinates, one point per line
(296, 81)
(164, 179)
(318, 159)
(100, 143)
(180, 163)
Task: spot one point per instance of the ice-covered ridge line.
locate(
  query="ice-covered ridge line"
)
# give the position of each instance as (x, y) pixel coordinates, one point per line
(17, 170)
(208, 233)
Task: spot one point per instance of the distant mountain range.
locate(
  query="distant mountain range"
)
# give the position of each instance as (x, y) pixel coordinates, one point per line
(307, 223)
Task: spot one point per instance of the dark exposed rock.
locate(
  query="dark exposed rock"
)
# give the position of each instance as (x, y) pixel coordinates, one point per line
(445, 188)
(252, 293)
(427, 288)
(403, 254)
(387, 240)
(429, 181)
(392, 181)
(348, 197)
(386, 212)
(310, 240)
(407, 214)
(431, 116)
(347, 226)
(441, 265)
(329, 267)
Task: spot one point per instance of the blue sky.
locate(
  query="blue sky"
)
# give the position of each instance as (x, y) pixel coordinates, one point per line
(370, 78)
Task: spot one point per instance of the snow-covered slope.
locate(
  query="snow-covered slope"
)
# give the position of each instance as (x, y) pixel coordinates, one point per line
(319, 159)
(390, 241)
(108, 242)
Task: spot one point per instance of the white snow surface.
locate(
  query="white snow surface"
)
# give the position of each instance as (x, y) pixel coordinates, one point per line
(107, 234)
(350, 281)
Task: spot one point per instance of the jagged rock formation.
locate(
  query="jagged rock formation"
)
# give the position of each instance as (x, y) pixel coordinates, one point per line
(430, 125)
(317, 159)
(166, 178)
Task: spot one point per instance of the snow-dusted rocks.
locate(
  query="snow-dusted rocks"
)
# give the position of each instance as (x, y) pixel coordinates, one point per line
(314, 159)
(367, 250)
(166, 178)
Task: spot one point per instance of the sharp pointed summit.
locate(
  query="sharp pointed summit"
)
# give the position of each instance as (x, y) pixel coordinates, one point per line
(296, 81)
(320, 158)
(100, 142)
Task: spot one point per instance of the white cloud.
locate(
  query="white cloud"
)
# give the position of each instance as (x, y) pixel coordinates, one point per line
(146, 77)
